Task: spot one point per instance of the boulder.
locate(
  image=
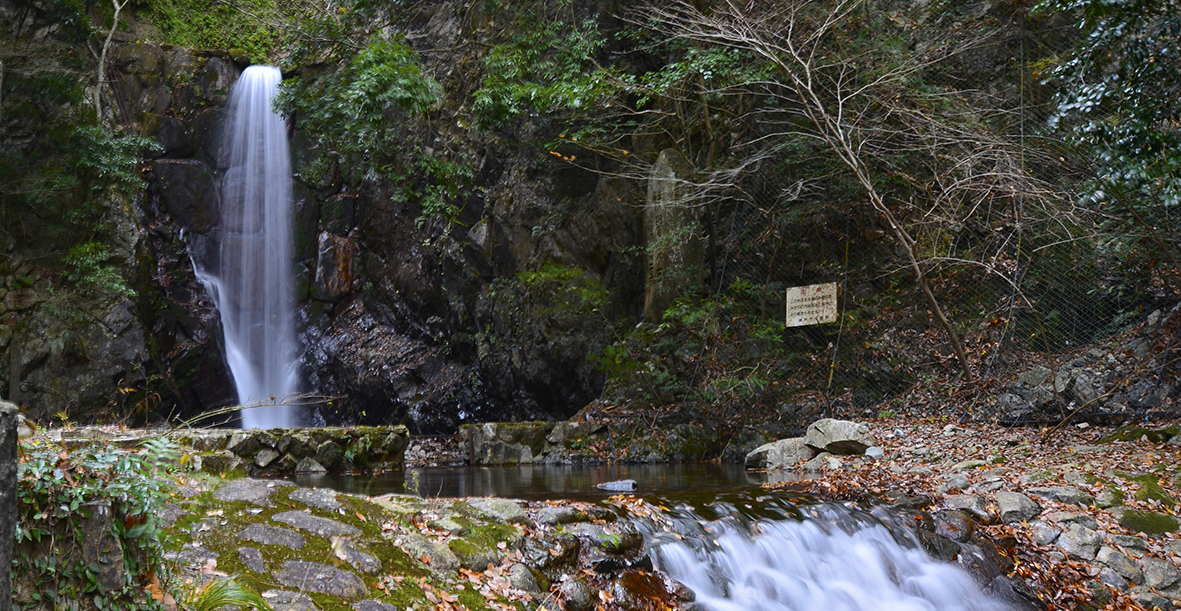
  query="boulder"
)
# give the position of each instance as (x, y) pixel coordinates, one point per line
(839, 436)
(1014, 507)
(780, 454)
(1080, 542)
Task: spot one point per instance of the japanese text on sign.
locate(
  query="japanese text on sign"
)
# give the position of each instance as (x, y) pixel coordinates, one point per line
(811, 305)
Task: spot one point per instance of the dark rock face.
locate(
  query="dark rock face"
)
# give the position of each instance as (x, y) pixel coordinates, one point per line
(8, 506)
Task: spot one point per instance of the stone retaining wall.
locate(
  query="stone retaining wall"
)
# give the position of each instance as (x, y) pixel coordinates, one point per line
(270, 451)
(318, 450)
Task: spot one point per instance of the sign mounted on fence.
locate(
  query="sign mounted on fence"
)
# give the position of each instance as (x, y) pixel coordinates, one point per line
(811, 305)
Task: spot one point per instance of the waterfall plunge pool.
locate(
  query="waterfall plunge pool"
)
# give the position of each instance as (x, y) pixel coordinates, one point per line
(540, 482)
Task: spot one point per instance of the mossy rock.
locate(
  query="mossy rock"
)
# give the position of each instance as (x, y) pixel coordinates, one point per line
(1134, 433)
(1150, 490)
(1147, 522)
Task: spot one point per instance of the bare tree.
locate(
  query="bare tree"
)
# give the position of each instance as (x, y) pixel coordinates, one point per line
(100, 78)
(861, 104)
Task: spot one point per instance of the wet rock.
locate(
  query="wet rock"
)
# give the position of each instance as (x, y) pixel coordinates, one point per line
(186, 188)
(781, 454)
(1080, 542)
(553, 516)
(322, 527)
(839, 436)
(637, 590)
(1015, 507)
(309, 465)
(321, 578)
(272, 535)
(1063, 494)
(335, 267)
(256, 491)
(1119, 563)
(503, 510)
(283, 600)
(622, 485)
(1147, 522)
(955, 524)
(1158, 574)
(938, 546)
(319, 498)
(252, 559)
(971, 503)
(576, 595)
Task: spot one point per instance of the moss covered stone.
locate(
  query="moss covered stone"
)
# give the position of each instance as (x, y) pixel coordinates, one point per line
(1134, 433)
(1147, 522)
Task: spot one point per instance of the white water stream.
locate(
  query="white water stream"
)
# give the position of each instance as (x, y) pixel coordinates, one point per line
(252, 281)
(814, 565)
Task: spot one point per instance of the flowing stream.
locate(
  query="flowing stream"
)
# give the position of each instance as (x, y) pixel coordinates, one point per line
(252, 280)
(808, 557)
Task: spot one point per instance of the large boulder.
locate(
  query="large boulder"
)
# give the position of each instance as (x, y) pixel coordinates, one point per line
(780, 454)
(839, 436)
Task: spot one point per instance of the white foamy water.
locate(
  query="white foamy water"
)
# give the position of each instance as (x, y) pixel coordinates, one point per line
(815, 566)
(252, 281)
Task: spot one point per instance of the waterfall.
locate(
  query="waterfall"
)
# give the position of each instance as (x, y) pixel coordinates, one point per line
(832, 562)
(252, 280)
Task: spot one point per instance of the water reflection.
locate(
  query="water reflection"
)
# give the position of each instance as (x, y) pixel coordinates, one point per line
(540, 482)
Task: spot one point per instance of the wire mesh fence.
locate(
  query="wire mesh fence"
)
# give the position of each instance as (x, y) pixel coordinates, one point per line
(1050, 296)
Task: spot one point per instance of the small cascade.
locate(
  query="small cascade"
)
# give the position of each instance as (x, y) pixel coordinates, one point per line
(835, 560)
(252, 280)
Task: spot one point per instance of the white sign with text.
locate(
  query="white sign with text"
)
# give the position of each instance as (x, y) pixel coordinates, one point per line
(811, 305)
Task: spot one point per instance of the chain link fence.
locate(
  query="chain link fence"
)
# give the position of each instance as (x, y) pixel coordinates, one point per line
(1049, 297)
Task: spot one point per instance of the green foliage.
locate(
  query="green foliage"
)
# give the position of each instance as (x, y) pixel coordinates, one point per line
(222, 593)
(88, 269)
(57, 491)
(1120, 99)
(568, 288)
(544, 70)
(362, 112)
(249, 25)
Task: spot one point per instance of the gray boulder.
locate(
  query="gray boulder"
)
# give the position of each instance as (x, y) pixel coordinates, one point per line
(780, 454)
(839, 436)
(1014, 507)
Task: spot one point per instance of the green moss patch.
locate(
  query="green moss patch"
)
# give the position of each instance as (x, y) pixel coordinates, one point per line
(1135, 433)
(1147, 522)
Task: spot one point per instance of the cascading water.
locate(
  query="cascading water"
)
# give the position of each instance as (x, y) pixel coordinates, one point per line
(252, 279)
(835, 562)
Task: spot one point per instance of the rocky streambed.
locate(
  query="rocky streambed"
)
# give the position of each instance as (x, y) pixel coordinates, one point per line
(306, 548)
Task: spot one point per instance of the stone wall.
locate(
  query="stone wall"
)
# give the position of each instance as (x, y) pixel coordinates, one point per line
(288, 451)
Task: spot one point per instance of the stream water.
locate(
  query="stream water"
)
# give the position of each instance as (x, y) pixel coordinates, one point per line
(736, 557)
(736, 545)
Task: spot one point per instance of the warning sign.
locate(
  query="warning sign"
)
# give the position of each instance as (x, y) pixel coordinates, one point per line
(811, 305)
